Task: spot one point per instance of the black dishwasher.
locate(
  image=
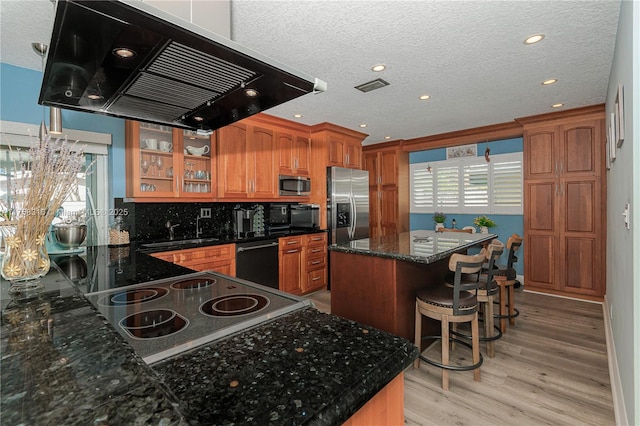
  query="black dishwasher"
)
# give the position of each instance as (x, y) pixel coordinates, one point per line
(257, 261)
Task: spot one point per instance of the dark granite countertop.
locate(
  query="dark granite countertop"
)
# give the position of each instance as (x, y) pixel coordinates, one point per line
(303, 368)
(416, 246)
(62, 363)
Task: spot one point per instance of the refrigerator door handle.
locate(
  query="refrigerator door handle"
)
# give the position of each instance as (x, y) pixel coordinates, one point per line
(352, 228)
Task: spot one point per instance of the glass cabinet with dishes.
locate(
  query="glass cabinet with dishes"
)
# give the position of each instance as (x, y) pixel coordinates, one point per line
(164, 162)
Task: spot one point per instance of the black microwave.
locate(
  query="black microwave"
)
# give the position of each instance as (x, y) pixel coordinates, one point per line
(305, 216)
(294, 185)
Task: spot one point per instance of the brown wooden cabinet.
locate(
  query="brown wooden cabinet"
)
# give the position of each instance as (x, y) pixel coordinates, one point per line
(168, 163)
(221, 258)
(388, 168)
(291, 264)
(316, 274)
(294, 153)
(302, 262)
(564, 211)
(246, 162)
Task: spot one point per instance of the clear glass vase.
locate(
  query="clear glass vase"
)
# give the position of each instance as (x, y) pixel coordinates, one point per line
(25, 259)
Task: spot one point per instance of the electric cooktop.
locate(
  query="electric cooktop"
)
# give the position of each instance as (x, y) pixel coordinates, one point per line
(165, 317)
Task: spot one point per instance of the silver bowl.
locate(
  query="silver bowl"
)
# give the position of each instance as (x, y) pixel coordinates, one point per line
(69, 235)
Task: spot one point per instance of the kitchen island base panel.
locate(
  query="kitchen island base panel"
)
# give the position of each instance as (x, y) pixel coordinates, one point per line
(385, 408)
(381, 292)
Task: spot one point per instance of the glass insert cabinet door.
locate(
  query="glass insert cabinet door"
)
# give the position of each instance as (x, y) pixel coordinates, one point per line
(155, 149)
(197, 170)
(168, 162)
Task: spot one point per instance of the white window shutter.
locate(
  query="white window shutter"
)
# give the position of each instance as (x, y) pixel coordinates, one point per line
(447, 186)
(421, 188)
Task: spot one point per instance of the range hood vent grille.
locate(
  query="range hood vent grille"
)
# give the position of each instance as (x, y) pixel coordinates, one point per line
(157, 88)
(142, 109)
(199, 69)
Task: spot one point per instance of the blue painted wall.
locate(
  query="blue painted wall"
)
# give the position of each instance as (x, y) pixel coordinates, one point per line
(19, 92)
(507, 224)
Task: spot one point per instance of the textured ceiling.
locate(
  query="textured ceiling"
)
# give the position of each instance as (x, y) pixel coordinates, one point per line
(468, 56)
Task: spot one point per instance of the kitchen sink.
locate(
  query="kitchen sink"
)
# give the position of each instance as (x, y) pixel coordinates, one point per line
(179, 243)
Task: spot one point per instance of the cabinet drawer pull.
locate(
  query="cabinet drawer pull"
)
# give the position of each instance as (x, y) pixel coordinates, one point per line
(293, 242)
(316, 250)
(315, 262)
(292, 251)
(315, 279)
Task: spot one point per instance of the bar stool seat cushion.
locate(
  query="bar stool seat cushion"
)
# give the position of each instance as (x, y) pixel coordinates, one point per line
(443, 297)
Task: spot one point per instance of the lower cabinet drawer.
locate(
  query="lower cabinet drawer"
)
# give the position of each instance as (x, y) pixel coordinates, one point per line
(316, 279)
(316, 262)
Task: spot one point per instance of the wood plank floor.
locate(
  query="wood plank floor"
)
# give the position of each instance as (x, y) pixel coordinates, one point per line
(549, 369)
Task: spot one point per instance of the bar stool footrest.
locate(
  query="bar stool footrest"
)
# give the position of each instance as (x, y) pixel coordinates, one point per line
(481, 338)
(508, 316)
(452, 367)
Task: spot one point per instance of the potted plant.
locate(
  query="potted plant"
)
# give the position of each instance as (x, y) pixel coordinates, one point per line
(484, 223)
(439, 218)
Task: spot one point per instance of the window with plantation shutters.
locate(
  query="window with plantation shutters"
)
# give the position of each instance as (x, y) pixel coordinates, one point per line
(421, 188)
(468, 185)
(506, 179)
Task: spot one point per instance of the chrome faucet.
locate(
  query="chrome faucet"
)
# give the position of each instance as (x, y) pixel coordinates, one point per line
(170, 227)
(198, 231)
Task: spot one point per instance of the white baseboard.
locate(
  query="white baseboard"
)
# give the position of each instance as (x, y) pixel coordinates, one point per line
(617, 395)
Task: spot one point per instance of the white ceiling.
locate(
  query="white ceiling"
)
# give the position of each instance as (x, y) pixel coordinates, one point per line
(469, 56)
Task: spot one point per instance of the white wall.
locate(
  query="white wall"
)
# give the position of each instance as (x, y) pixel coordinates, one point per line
(623, 245)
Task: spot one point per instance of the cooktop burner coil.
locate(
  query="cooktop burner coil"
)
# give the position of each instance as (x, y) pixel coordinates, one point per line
(153, 324)
(234, 305)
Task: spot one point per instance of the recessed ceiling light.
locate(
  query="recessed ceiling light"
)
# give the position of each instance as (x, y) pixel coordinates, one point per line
(387, 137)
(198, 118)
(94, 97)
(550, 81)
(424, 97)
(556, 105)
(363, 125)
(297, 115)
(533, 39)
(250, 93)
(124, 52)
(378, 67)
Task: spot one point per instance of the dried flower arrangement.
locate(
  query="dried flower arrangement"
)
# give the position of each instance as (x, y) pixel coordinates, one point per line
(42, 181)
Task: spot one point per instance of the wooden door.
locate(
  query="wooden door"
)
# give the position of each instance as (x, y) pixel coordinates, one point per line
(388, 210)
(261, 162)
(286, 153)
(541, 233)
(353, 157)
(580, 152)
(302, 151)
(337, 146)
(291, 264)
(580, 238)
(388, 168)
(233, 180)
(541, 153)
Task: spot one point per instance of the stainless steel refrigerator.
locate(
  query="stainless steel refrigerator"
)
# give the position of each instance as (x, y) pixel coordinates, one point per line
(348, 204)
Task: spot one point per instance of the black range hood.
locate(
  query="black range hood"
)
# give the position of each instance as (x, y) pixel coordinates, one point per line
(169, 71)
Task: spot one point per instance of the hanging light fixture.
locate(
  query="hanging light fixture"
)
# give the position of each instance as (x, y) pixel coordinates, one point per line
(55, 115)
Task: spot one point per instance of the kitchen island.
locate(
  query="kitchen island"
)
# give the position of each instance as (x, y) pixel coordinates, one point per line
(70, 366)
(374, 280)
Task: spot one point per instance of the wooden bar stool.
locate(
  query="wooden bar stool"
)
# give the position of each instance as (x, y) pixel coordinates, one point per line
(455, 304)
(487, 291)
(505, 277)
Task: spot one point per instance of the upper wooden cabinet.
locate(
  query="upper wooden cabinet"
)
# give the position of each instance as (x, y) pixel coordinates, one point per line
(246, 162)
(294, 153)
(565, 149)
(564, 209)
(388, 168)
(342, 146)
(168, 163)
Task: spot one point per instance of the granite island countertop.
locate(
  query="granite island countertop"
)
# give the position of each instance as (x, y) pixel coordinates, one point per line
(420, 246)
(305, 367)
